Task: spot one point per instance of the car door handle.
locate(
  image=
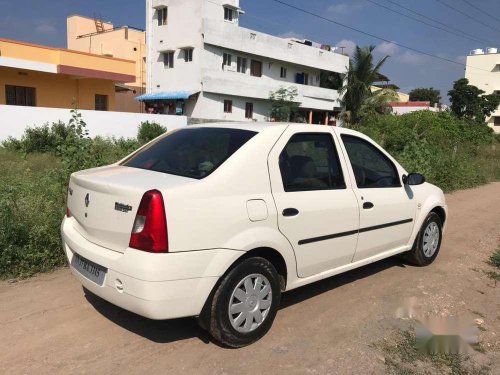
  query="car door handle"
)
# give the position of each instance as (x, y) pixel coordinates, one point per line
(290, 212)
(368, 205)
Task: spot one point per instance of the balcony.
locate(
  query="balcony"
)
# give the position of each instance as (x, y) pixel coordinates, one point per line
(237, 84)
(233, 37)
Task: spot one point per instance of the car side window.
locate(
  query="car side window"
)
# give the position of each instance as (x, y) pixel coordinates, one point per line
(371, 167)
(309, 162)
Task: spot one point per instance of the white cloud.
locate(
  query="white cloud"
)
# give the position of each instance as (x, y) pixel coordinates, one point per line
(45, 28)
(349, 46)
(386, 48)
(292, 34)
(347, 7)
(411, 58)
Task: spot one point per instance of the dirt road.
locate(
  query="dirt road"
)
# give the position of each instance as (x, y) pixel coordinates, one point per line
(48, 326)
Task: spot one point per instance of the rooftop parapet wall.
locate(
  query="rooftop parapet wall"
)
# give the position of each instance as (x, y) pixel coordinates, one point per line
(117, 69)
(230, 36)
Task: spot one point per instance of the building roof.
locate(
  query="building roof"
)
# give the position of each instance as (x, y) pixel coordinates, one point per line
(35, 57)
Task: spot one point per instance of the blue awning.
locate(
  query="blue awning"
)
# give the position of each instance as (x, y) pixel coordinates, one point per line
(172, 95)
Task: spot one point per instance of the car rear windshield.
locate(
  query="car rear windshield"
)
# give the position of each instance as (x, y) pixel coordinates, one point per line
(193, 153)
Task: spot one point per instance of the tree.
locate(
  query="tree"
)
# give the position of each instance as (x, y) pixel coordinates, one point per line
(283, 106)
(424, 94)
(357, 96)
(469, 102)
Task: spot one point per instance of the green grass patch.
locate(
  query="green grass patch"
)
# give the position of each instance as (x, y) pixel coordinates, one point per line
(33, 186)
(403, 357)
(495, 259)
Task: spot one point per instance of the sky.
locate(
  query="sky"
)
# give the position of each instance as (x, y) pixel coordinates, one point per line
(44, 22)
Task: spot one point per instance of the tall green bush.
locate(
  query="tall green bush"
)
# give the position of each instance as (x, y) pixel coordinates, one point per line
(452, 153)
(31, 209)
(35, 171)
(149, 131)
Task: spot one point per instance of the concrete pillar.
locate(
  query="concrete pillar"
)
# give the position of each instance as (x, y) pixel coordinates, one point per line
(310, 117)
(327, 116)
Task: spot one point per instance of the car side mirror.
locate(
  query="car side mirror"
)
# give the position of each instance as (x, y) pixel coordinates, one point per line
(413, 179)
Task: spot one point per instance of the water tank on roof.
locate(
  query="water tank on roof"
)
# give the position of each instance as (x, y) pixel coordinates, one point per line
(478, 51)
(492, 50)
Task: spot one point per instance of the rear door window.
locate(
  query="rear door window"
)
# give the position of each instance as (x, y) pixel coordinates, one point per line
(310, 162)
(193, 153)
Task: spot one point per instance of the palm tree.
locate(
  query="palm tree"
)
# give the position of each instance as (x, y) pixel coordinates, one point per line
(357, 97)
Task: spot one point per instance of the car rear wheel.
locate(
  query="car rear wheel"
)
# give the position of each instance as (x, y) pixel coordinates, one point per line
(245, 303)
(428, 242)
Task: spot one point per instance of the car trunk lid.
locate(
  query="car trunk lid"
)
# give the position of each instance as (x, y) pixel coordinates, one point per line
(103, 202)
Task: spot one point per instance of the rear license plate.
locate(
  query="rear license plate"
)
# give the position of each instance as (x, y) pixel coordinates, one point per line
(89, 270)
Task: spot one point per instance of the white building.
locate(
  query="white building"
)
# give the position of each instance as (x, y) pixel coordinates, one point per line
(483, 71)
(203, 64)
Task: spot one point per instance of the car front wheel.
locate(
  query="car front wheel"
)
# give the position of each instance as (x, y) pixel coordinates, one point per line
(428, 242)
(245, 304)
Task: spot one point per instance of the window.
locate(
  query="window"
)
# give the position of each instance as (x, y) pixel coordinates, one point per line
(101, 102)
(162, 16)
(283, 72)
(497, 121)
(371, 167)
(188, 54)
(306, 78)
(19, 95)
(168, 60)
(310, 162)
(226, 60)
(193, 153)
(242, 65)
(228, 106)
(249, 110)
(228, 14)
(256, 68)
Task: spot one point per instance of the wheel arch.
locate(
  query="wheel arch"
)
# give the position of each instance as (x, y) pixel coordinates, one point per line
(268, 253)
(440, 211)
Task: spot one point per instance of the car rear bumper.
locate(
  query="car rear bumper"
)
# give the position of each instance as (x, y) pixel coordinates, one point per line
(156, 286)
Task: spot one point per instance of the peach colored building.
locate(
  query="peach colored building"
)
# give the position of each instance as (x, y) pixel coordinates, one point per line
(35, 75)
(103, 38)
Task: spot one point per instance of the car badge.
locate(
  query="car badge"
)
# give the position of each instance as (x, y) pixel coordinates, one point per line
(123, 207)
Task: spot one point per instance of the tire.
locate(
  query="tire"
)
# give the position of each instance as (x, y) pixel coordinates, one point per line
(243, 327)
(426, 249)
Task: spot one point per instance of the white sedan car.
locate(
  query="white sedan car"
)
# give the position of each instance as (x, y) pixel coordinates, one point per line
(217, 221)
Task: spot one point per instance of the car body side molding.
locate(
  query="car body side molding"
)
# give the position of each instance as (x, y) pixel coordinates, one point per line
(352, 232)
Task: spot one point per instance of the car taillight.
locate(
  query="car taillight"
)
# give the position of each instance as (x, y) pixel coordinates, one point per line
(150, 226)
(68, 212)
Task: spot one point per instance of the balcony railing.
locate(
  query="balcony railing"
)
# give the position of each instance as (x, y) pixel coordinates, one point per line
(238, 84)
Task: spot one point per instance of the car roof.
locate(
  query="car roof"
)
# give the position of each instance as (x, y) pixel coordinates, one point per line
(263, 126)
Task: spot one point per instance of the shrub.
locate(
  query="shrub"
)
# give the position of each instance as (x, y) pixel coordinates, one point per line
(41, 139)
(31, 209)
(149, 131)
(451, 153)
(35, 173)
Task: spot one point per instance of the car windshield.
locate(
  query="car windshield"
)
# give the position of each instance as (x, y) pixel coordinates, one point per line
(193, 153)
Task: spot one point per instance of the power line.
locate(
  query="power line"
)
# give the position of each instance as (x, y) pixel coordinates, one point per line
(467, 15)
(305, 11)
(439, 22)
(423, 22)
(480, 10)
